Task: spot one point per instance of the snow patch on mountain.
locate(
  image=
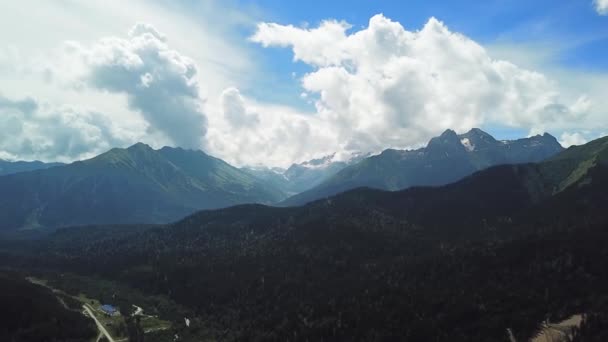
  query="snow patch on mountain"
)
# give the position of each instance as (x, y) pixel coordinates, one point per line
(467, 144)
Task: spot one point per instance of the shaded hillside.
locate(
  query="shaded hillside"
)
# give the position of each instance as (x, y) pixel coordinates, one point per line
(32, 313)
(505, 248)
(134, 185)
(7, 168)
(446, 159)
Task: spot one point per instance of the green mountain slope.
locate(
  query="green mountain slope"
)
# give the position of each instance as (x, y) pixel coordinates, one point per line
(444, 160)
(7, 168)
(132, 185)
(505, 248)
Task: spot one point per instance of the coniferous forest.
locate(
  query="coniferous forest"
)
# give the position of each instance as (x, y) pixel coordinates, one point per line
(501, 251)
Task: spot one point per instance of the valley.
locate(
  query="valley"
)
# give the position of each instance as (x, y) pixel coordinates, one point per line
(514, 246)
(303, 171)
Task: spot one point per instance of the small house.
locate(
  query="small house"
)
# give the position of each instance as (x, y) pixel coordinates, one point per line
(109, 310)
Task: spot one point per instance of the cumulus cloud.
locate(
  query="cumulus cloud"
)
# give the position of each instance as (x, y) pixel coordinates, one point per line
(280, 136)
(159, 82)
(26, 106)
(568, 139)
(601, 6)
(33, 131)
(234, 109)
(385, 86)
(372, 88)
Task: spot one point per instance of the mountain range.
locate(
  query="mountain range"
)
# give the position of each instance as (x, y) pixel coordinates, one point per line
(143, 185)
(444, 160)
(491, 257)
(8, 167)
(132, 185)
(306, 175)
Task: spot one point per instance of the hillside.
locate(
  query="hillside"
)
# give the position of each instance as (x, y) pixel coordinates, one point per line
(7, 167)
(32, 313)
(446, 159)
(133, 185)
(300, 177)
(505, 248)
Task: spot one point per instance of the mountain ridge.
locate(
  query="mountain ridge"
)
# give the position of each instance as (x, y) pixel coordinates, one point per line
(10, 167)
(447, 158)
(133, 185)
(501, 246)
(299, 177)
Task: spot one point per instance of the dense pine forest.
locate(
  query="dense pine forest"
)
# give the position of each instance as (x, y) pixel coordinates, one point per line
(503, 250)
(304, 171)
(32, 313)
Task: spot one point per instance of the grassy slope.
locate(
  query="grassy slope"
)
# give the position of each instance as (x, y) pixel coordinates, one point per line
(126, 186)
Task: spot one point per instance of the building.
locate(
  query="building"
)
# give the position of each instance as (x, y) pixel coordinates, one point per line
(109, 310)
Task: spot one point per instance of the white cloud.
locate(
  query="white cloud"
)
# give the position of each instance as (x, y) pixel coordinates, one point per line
(372, 88)
(387, 86)
(159, 82)
(35, 60)
(235, 111)
(568, 139)
(33, 131)
(278, 136)
(544, 57)
(601, 6)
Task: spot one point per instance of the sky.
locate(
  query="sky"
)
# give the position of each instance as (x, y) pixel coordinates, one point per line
(271, 82)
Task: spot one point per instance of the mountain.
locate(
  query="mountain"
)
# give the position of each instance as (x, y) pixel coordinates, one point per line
(493, 256)
(306, 175)
(273, 176)
(444, 160)
(7, 168)
(132, 185)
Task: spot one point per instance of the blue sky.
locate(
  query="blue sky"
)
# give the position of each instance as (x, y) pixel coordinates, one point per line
(486, 22)
(271, 82)
(573, 30)
(574, 27)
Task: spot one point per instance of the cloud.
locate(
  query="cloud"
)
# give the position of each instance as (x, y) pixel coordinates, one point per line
(279, 136)
(234, 109)
(26, 106)
(33, 131)
(601, 6)
(371, 88)
(159, 82)
(35, 59)
(385, 86)
(568, 139)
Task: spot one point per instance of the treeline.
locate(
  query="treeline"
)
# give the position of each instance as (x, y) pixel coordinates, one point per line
(354, 280)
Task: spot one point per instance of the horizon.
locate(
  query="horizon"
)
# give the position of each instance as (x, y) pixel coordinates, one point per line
(278, 84)
(369, 154)
(266, 170)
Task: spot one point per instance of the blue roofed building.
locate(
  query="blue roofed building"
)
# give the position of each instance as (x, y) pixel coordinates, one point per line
(109, 310)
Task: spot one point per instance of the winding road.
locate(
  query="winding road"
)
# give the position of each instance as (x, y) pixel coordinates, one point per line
(99, 325)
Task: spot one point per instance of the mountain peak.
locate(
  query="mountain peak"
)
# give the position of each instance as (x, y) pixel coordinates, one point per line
(448, 133)
(546, 139)
(445, 144)
(139, 147)
(477, 138)
(548, 136)
(476, 132)
(448, 137)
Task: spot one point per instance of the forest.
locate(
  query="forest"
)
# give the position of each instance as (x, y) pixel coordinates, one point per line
(501, 251)
(32, 313)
